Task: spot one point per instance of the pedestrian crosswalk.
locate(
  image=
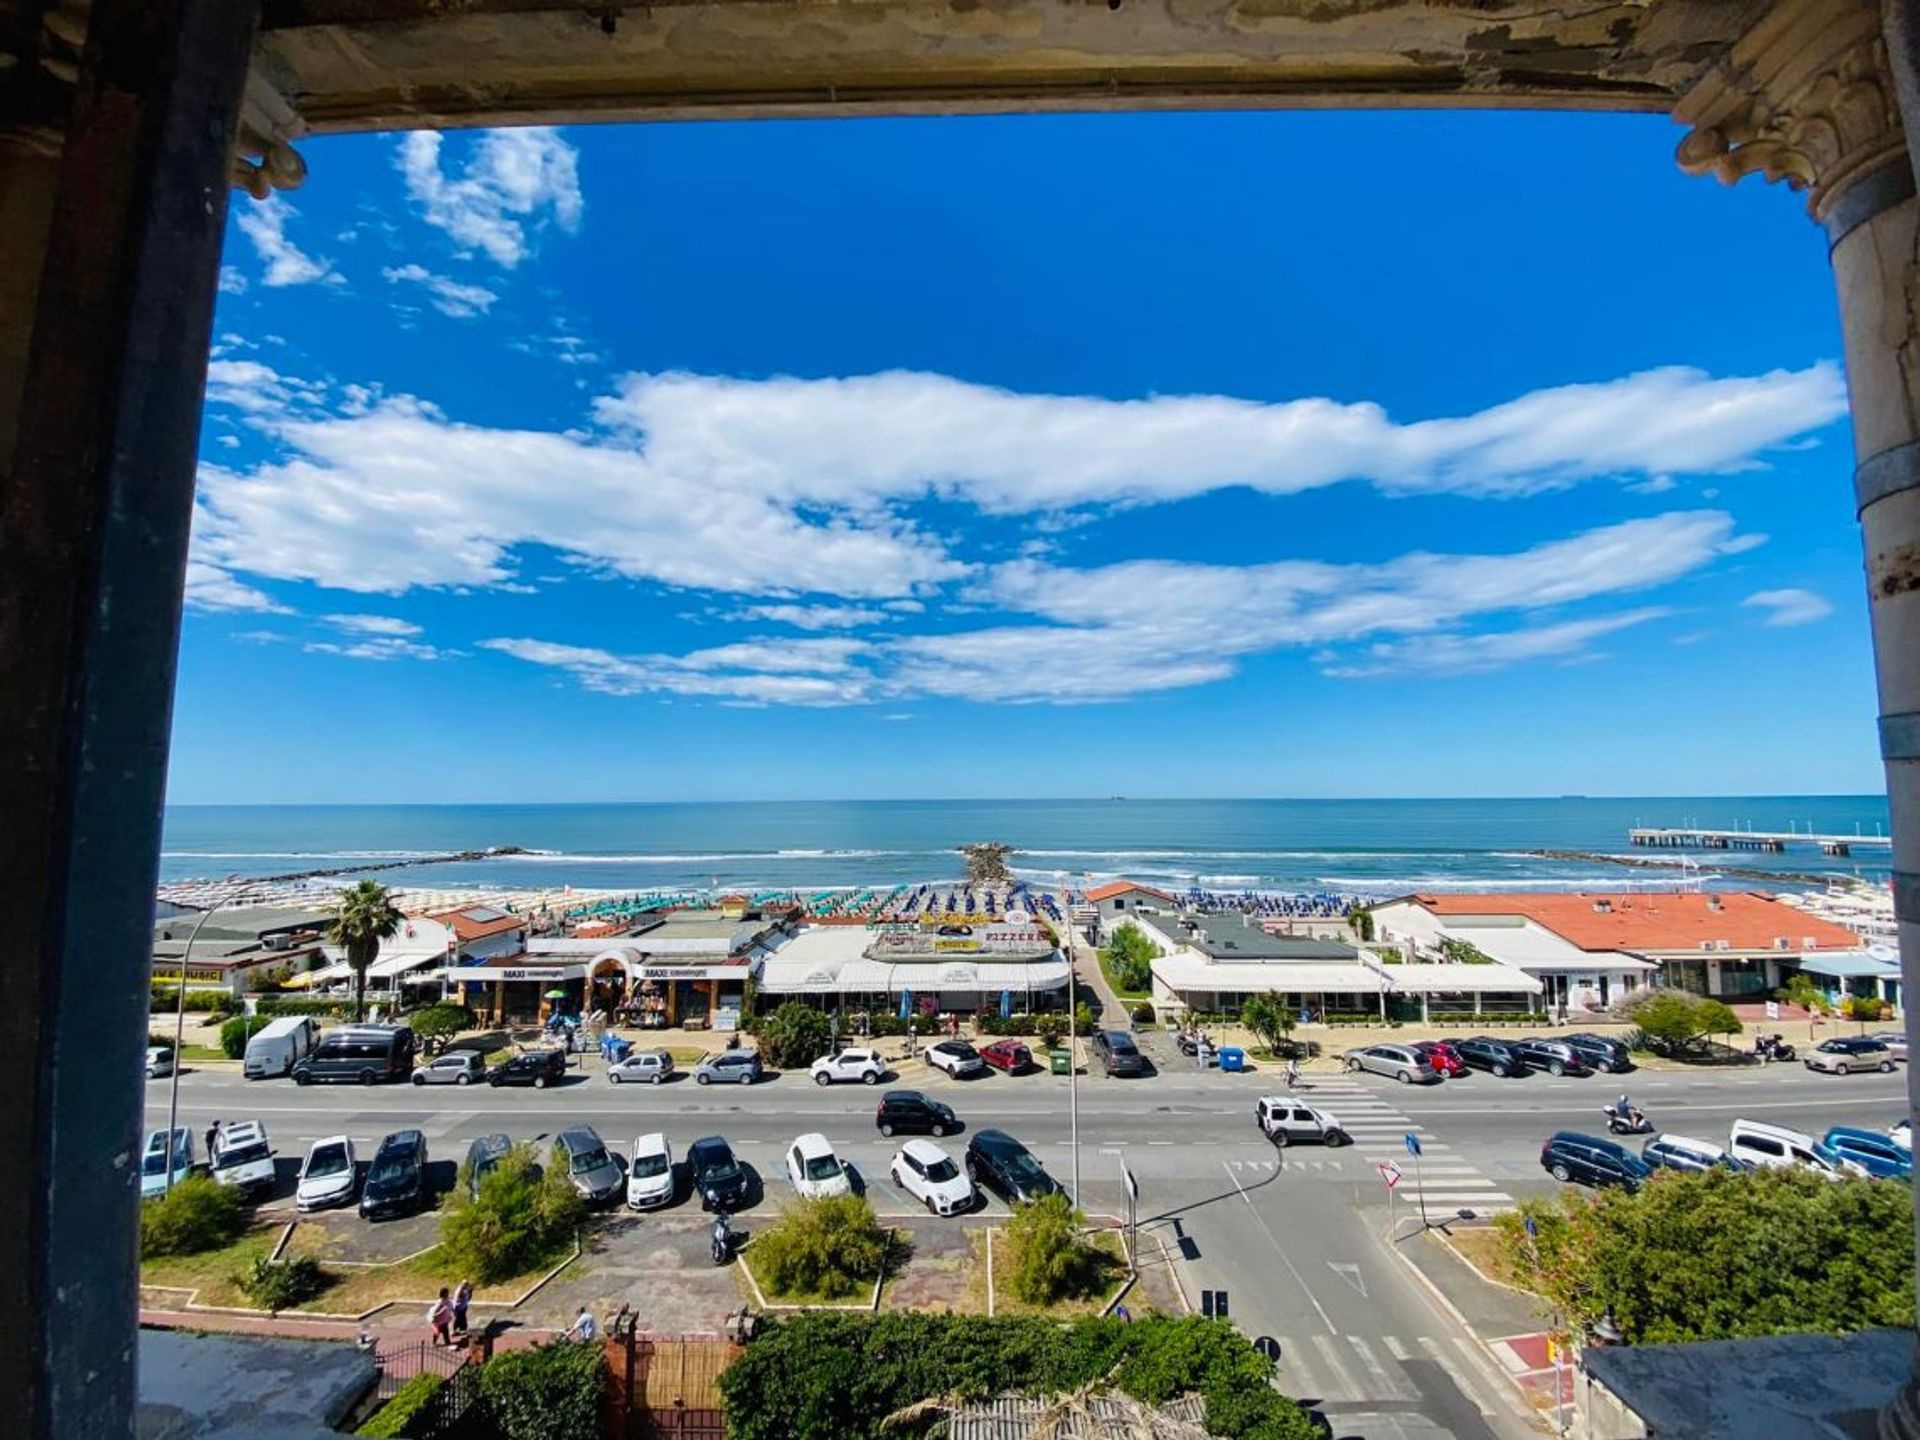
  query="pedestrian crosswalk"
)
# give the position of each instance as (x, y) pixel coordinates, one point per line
(1438, 1175)
(1355, 1370)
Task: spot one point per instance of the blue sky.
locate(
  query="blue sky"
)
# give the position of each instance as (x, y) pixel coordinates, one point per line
(1190, 455)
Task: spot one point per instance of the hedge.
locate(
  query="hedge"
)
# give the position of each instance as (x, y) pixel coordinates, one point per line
(165, 1000)
(410, 1412)
(551, 1392)
(299, 1005)
(237, 1031)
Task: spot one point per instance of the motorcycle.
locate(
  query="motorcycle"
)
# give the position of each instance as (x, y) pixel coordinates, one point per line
(722, 1240)
(1772, 1047)
(1631, 1121)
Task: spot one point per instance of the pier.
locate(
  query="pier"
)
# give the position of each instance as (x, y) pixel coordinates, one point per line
(1773, 842)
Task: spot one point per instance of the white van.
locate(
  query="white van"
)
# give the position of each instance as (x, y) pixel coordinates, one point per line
(280, 1045)
(1779, 1148)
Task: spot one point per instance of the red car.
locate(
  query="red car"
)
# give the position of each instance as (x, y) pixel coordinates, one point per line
(1441, 1056)
(1008, 1055)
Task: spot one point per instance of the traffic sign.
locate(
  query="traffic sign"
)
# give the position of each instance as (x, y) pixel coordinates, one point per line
(1390, 1173)
(1269, 1347)
(1413, 1143)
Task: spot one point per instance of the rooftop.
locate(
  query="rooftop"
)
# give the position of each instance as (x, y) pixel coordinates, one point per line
(477, 922)
(1642, 922)
(1125, 887)
(1230, 936)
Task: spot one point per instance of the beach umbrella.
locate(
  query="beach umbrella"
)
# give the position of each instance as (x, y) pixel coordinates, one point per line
(906, 1003)
(556, 995)
(1006, 1004)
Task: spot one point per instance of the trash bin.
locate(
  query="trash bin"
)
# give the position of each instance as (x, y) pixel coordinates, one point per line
(1062, 1062)
(1232, 1057)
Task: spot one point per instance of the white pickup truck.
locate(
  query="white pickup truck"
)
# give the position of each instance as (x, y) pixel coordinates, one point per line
(1287, 1121)
(243, 1157)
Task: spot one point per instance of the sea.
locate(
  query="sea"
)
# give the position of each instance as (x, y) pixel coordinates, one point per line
(1356, 847)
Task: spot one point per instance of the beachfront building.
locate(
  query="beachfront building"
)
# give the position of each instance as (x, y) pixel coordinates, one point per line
(1014, 967)
(239, 949)
(1123, 897)
(1590, 948)
(1211, 961)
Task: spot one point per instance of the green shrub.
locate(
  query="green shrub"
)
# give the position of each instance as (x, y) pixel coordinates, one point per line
(1047, 1258)
(1128, 960)
(409, 1412)
(301, 1005)
(551, 1392)
(1464, 952)
(829, 1247)
(1143, 1013)
(520, 1219)
(237, 1031)
(441, 1022)
(163, 1042)
(165, 1000)
(198, 1214)
(796, 1034)
(282, 1284)
(1049, 1028)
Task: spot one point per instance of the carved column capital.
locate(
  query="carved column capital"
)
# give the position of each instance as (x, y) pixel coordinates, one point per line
(1804, 97)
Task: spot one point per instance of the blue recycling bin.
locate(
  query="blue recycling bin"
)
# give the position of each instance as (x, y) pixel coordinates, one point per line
(1232, 1057)
(615, 1048)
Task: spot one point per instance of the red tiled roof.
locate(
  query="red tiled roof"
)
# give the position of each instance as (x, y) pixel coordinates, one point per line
(1122, 887)
(478, 923)
(1650, 922)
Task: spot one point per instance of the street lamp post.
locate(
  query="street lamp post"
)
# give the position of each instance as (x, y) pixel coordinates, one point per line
(179, 1031)
(1073, 1066)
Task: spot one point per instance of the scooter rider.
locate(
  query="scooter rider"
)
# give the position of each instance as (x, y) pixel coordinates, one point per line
(722, 1239)
(1624, 1109)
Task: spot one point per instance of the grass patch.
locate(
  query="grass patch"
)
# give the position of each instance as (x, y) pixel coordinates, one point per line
(212, 1272)
(1113, 1269)
(190, 1053)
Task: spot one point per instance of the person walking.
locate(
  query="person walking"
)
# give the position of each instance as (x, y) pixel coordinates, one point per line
(440, 1317)
(1293, 1073)
(583, 1327)
(213, 1138)
(462, 1298)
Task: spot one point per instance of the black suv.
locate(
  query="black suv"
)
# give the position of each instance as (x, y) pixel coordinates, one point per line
(538, 1068)
(998, 1162)
(397, 1179)
(1588, 1160)
(908, 1112)
(718, 1179)
(1118, 1053)
(1556, 1057)
(1483, 1053)
(1600, 1051)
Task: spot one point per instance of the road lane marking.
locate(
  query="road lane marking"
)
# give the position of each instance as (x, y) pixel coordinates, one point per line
(1280, 1250)
(1329, 1348)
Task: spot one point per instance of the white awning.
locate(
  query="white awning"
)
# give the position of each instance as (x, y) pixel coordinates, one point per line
(402, 964)
(822, 976)
(1190, 974)
(1454, 979)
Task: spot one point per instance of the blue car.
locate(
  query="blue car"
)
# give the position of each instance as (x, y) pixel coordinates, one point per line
(1874, 1152)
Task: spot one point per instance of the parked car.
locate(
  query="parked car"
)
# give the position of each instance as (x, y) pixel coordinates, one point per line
(1402, 1062)
(718, 1179)
(729, 1067)
(910, 1112)
(596, 1172)
(483, 1156)
(1556, 1057)
(243, 1157)
(456, 1067)
(1285, 1120)
(538, 1068)
(279, 1045)
(328, 1176)
(926, 1172)
(1877, 1154)
(998, 1162)
(654, 1067)
(650, 1173)
(865, 1066)
(1778, 1148)
(1684, 1153)
(814, 1170)
(1589, 1160)
(956, 1057)
(397, 1178)
(1894, 1040)
(1901, 1133)
(1604, 1053)
(155, 1178)
(1008, 1055)
(1846, 1054)
(159, 1061)
(1497, 1057)
(358, 1055)
(1441, 1056)
(1117, 1053)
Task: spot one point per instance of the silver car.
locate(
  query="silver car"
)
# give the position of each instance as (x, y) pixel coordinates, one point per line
(1894, 1040)
(456, 1067)
(1401, 1062)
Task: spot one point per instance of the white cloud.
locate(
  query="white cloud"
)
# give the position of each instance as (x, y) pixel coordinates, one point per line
(513, 179)
(609, 674)
(378, 647)
(372, 624)
(1472, 654)
(1790, 606)
(211, 588)
(264, 222)
(232, 281)
(449, 296)
(816, 617)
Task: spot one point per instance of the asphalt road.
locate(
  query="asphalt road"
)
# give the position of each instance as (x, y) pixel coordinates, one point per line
(1297, 1239)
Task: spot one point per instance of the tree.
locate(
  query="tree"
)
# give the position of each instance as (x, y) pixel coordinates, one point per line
(1048, 1028)
(1720, 1255)
(1672, 1020)
(366, 916)
(520, 1218)
(1361, 920)
(549, 1392)
(197, 1214)
(1128, 960)
(439, 1023)
(1048, 1259)
(794, 1034)
(831, 1246)
(1715, 1017)
(1269, 1017)
(235, 1033)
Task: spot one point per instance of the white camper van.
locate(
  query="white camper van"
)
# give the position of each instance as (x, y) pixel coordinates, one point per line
(280, 1045)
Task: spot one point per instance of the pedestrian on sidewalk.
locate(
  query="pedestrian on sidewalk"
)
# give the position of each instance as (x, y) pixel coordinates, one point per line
(583, 1327)
(1293, 1073)
(462, 1298)
(440, 1317)
(213, 1138)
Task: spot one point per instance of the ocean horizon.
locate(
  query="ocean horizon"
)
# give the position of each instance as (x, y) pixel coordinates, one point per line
(1371, 846)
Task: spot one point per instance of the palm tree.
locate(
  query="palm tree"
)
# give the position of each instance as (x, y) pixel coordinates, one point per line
(366, 917)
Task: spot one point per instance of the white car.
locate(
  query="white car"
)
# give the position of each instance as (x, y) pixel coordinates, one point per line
(814, 1170)
(956, 1057)
(154, 1179)
(866, 1066)
(243, 1157)
(329, 1175)
(926, 1172)
(650, 1173)
(1287, 1121)
(651, 1066)
(159, 1062)
(1774, 1147)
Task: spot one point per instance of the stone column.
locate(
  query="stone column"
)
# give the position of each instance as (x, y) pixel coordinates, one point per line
(1808, 98)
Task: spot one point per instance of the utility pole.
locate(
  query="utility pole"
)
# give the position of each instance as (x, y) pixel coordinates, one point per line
(179, 1030)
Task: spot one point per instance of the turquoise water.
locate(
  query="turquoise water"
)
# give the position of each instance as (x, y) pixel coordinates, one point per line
(1357, 846)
